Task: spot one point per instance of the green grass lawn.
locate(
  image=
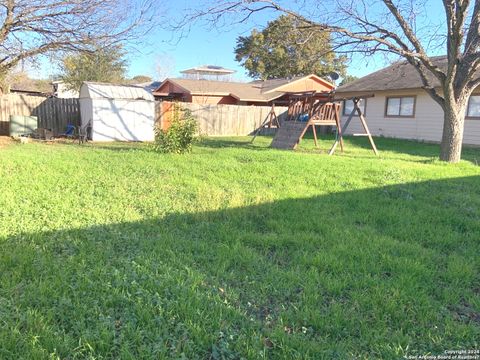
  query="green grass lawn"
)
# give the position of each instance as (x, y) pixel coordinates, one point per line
(237, 251)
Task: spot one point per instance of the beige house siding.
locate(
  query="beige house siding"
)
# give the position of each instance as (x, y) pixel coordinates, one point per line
(427, 124)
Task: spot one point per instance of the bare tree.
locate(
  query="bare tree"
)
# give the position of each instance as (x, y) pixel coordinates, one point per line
(392, 27)
(29, 28)
(164, 65)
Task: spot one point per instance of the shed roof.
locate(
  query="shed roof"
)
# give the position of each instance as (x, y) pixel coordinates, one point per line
(95, 90)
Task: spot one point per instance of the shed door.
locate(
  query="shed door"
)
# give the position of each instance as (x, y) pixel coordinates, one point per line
(123, 120)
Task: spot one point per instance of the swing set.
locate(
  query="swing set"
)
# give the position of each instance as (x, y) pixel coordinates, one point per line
(312, 109)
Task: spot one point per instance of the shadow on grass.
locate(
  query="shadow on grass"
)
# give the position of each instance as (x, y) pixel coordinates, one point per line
(413, 148)
(400, 146)
(363, 273)
(118, 146)
(261, 143)
(124, 147)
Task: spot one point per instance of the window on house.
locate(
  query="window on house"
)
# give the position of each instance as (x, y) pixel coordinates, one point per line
(348, 107)
(400, 106)
(473, 109)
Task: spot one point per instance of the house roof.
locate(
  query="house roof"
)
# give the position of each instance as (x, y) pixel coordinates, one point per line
(150, 86)
(259, 90)
(400, 75)
(25, 84)
(94, 90)
(274, 84)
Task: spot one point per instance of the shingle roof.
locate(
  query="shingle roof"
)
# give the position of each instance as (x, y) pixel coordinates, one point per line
(241, 91)
(259, 90)
(26, 84)
(150, 85)
(400, 75)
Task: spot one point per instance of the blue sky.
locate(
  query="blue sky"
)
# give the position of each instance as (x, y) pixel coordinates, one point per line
(207, 46)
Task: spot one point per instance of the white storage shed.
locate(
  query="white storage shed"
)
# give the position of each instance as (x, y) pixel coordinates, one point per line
(117, 112)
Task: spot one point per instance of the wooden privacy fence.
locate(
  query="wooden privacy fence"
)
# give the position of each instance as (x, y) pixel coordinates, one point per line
(52, 113)
(223, 120)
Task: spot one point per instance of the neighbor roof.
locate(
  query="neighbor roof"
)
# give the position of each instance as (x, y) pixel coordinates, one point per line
(149, 85)
(259, 90)
(28, 85)
(240, 91)
(208, 70)
(272, 84)
(401, 75)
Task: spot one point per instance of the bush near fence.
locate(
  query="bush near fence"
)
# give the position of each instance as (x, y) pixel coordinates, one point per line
(220, 120)
(52, 113)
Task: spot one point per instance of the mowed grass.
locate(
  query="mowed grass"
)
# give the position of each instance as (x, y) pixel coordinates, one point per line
(237, 251)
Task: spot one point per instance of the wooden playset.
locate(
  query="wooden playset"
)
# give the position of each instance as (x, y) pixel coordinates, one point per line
(312, 109)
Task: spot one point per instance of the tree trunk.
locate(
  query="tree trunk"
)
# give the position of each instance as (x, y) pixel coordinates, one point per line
(453, 123)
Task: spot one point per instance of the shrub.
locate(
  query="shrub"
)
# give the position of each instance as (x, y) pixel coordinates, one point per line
(181, 134)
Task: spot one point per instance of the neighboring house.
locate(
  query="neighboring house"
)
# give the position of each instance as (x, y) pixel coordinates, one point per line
(24, 91)
(402, 109)
(60, 90)
(226, 92)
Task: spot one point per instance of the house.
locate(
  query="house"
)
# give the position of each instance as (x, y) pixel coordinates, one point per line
(24, 85)
(400, 107)
(259, 92)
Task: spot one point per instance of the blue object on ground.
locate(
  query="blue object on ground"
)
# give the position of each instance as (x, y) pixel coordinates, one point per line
(70, 130)
(303, 117)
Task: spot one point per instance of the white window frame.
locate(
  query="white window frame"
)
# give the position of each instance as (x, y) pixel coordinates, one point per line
(362, 104)
(468, 108)
(400, 106)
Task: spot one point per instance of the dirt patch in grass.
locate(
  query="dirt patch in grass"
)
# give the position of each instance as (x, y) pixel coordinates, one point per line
(5, 141)
(465, 312)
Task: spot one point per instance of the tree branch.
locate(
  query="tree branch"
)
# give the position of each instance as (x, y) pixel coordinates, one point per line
(472, 41)
(420, 51)
(34, 27)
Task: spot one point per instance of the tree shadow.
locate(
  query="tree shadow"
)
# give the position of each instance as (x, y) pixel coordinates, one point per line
(244, 142)
(412, 147)
(424, 152)
(115, 146)
(361, 273)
